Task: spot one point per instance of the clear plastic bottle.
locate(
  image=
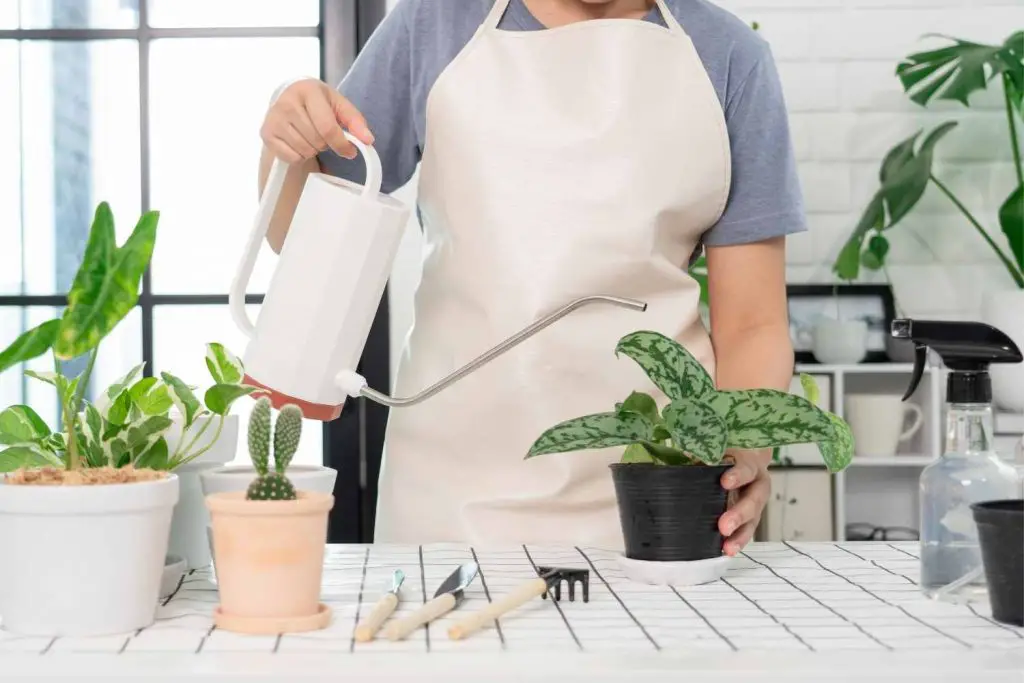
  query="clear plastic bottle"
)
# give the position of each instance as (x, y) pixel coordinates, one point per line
(968, 472)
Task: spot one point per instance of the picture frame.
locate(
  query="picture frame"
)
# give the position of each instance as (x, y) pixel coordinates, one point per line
(873, 303)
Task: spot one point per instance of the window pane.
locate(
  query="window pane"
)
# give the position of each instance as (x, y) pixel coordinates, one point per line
(75, 142)
(180, 335)
(119, 352)
(233, 13)
(208, 99)
(69, 13)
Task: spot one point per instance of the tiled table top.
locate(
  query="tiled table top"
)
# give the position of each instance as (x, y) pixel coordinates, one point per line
(833, 609)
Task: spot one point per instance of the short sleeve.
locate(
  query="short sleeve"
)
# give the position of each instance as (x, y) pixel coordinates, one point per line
(765, 199)
(379, 84)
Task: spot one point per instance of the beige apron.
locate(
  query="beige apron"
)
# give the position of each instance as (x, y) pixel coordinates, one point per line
(585, 159)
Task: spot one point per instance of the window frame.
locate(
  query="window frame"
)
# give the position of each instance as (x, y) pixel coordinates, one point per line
(353, 443)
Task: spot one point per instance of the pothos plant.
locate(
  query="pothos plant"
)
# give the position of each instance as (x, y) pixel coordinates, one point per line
(953, 73)
(700, 423)
(128, 422)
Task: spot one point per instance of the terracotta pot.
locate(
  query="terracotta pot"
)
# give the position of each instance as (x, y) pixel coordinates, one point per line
(270, 557)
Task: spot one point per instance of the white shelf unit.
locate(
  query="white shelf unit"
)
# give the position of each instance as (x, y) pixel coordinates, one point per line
(878, 490)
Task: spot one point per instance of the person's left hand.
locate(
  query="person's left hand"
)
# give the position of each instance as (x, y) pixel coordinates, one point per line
(749, 482)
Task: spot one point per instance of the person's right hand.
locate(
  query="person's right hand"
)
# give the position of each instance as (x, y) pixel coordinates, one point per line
(307, 118)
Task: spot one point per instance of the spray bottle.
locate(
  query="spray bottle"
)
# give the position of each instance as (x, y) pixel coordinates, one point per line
(969, 469)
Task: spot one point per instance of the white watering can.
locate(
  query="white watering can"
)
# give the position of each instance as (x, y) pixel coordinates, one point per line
(324, 294)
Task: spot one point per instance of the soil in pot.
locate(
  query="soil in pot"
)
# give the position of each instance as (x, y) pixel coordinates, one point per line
(100, 476)
(1001, 536)
(270, 556)
(670, 514)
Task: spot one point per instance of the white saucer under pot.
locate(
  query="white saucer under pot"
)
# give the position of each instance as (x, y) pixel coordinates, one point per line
(679, 574)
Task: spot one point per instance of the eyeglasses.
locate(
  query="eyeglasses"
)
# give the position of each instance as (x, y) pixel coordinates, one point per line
(870, 532)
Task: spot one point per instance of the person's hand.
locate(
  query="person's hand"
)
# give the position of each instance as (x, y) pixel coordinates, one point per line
(749, 483)
(307, 118)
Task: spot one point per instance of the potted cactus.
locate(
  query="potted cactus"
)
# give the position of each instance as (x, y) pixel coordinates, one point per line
(268, 541)
(668, 481)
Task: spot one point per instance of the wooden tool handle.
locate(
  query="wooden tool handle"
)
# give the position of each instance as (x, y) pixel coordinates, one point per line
(487, 615)
(437, 607)
(369, 626)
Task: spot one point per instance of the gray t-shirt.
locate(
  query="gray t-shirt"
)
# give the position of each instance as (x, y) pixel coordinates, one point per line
(392, 76)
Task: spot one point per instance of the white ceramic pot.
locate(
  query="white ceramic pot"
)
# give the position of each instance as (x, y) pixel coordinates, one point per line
(840, 342)
(1005, 310)
(83, 560)
(188, 526)
(315, 478)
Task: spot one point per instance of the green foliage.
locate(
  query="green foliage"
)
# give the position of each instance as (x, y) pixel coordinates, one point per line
(287, 431)
(271, 486)
(259, 435)
(954, 72)
(699, 423)
(32, 344)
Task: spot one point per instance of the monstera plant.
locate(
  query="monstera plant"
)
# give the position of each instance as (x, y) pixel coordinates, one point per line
(954, 72)
(127, 423)
(668, 478)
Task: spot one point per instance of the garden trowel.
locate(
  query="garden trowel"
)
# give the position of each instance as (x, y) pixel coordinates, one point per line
(448, 596)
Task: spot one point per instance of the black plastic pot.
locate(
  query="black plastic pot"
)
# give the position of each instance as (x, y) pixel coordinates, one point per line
(670, 514)
(1001, 536)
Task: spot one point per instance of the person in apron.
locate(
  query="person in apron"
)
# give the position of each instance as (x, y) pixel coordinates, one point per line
(565, 148)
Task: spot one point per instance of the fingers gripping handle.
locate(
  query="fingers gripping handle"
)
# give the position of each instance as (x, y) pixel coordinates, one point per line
(498, 608)
(261, 224)
(437, 607)
(368, 627)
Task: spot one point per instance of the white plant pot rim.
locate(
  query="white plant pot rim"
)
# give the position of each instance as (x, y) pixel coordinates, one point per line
(98, 499)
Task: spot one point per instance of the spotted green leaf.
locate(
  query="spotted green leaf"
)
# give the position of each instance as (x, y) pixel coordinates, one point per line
(837, 452)
(697, 429)
(32, 344)
(668, 365)
(764, 418)
(636, 453)
(183, 397)
(151, 396)
(641, 404)
(20, 424)
(26, 455)
(602, 430)
(106, 287)
(810, 387)
(220, 397)
(224, 366)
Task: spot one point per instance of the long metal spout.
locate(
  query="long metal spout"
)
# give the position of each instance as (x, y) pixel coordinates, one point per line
(498, 350)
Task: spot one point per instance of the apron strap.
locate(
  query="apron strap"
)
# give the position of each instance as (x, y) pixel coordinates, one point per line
(494, 18)
(670, 19)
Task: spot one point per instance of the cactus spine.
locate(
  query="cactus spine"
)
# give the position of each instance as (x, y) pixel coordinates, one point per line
(273, 485)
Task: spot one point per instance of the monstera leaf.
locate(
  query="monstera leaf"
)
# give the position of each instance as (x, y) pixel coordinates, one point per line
(957, 71)
(602, 430)
(904, 176)
(1011, 220)
(106, 287)
(670, 366)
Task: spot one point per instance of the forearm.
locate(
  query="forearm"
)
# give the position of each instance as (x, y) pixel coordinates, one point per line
(756, 357)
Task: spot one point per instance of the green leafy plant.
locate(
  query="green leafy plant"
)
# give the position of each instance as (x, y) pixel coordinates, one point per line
(129, 421)
(273, 485)
(951, 73)
(700, 423)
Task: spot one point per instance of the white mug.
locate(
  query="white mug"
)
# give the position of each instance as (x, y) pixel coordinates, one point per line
(837, 342)
(877, 422)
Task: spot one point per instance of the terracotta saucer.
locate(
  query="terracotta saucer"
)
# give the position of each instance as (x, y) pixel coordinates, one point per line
(272, 626)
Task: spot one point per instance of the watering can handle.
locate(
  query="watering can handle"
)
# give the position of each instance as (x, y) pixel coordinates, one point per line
(268, 202)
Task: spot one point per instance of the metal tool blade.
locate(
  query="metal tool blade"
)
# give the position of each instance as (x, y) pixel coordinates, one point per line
(397, 579)
(459, 579)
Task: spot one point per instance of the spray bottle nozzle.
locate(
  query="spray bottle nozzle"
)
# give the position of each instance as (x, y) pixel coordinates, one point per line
(966, 349)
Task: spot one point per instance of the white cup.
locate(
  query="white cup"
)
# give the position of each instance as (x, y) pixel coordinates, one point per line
(839, 342)
(877, 422)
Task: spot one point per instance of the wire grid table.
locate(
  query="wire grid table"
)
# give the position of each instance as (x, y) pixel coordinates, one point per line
(788, 605)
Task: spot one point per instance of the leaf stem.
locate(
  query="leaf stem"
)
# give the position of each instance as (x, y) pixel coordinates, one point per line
(206, 425)
(1014, 143)
(1017, 276)
(220, 426)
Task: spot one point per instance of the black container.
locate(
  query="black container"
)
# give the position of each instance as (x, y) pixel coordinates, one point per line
(1001, 536)
(670, 514)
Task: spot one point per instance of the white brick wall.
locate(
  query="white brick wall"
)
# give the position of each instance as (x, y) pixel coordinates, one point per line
(837, 60)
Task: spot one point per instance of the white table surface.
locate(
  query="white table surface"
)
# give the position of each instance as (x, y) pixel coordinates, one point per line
(786, 612)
